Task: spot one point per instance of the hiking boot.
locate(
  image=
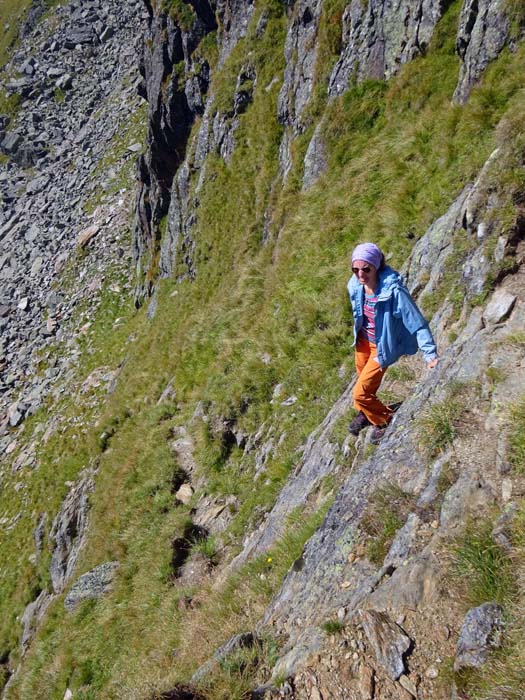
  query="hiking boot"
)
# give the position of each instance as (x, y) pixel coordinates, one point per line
(378, 433)
(359, 423)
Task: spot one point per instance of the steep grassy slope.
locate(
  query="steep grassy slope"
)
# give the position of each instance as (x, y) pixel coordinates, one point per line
(257, 316)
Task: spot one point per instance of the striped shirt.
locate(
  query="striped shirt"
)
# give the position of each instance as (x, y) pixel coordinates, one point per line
(369, 324)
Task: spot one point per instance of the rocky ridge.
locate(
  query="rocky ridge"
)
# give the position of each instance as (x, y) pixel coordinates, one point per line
(76, 78)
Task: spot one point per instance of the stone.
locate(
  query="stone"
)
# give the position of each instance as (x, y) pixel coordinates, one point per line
(403, 541)
(499, 307)
(289, 401)
(315, 163)
(480, 634)
(11, 143)
(55, 72)
(408, 684)
(185, 494)
(366, 682)
(106, 34)
(85, 236)
(32, 233)
(506, 490)
(36, 266)
(387, 640)
(64, 82)
(92, 585)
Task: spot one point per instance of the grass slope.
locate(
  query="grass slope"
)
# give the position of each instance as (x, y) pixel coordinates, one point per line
(258, 315)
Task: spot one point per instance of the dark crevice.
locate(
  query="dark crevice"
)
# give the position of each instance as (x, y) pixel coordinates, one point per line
(182, 546)
(179, 478)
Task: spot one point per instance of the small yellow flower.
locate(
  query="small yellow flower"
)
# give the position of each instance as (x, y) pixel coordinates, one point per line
(269, 560)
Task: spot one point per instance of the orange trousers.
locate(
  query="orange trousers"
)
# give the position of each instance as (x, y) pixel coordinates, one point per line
(369, 378)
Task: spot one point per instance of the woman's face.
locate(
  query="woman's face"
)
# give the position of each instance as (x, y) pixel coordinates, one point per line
(365, 272)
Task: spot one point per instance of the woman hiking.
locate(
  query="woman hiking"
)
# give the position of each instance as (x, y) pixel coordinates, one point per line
(387, 324)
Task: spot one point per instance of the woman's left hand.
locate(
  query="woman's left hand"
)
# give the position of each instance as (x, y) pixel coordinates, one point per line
(433, 363)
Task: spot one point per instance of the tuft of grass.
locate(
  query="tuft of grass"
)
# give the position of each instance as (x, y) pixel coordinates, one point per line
(517, 437)
(483, 567)
(332, 627)
(517, 339)
(207, 546)
(438, 425)
(387, 510)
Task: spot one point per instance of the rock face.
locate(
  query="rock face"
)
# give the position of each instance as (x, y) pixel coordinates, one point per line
(174, 84)
(482, 33)
(68, 531)
(378, 37)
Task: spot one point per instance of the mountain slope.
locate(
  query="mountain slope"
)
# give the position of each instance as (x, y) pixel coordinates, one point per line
(157, 498)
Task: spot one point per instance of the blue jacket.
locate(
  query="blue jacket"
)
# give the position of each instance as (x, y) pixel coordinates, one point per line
(399, 325)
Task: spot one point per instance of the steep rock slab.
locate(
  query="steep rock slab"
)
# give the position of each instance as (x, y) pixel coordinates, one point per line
(482, 33)
(68, 531)
(300, 54)
(379, 37)
(300, 51)
(234, 16)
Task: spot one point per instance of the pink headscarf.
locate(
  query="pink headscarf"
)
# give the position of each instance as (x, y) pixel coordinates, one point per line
(368, 252)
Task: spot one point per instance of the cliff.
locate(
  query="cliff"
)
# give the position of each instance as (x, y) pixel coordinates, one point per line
(183, 513)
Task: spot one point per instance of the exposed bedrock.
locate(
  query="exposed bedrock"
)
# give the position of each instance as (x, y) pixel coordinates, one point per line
(482, 34)
(173, 85)
(379, 37)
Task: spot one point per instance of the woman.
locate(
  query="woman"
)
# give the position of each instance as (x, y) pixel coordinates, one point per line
(387, 324)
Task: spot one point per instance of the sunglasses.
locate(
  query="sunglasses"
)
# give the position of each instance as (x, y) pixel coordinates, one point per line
(357, 270)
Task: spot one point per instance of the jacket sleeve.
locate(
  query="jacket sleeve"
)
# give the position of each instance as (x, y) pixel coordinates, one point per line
(415, 323)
